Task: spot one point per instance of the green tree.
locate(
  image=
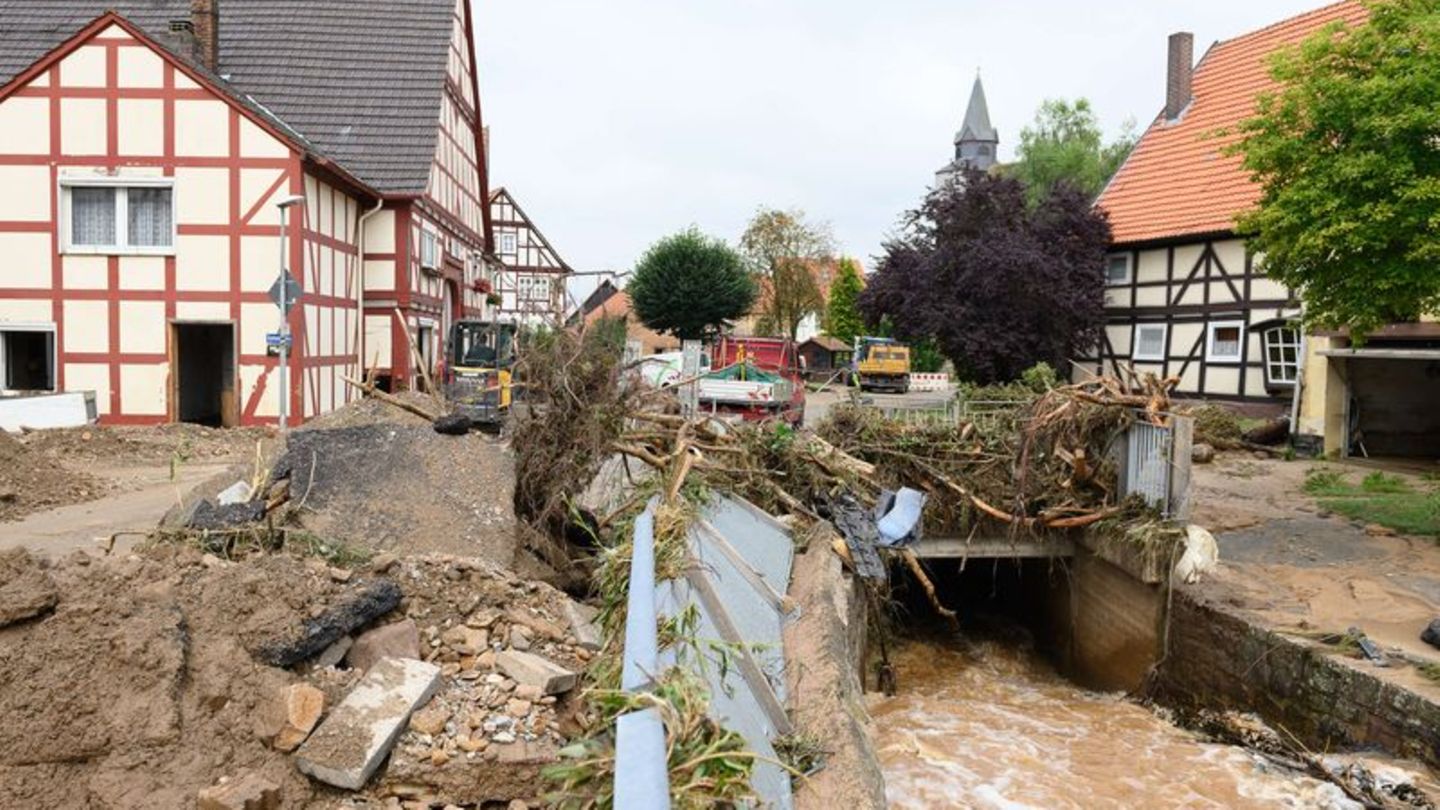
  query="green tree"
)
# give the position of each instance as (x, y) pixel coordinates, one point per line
(690, 285)
(1065, 144)
(842, 311)
(1347, 153)
(782, 249)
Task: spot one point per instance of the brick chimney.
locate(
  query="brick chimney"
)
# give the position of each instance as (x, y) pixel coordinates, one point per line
(205, 19)
(1179, 79)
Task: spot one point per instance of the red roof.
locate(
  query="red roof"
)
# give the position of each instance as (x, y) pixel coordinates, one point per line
(1177, 182)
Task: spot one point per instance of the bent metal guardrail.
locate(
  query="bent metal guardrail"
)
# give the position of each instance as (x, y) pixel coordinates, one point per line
(642, 774)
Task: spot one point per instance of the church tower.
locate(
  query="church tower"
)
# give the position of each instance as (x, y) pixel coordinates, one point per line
(976, 142)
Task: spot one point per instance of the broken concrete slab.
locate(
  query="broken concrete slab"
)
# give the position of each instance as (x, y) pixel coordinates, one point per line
(249, 792)
(531, 669)
(398, 640)
(583, 626)
(303, 706)
(352, 742)
(333, 654)
(238, 492)
(26, 590)
(317, 634)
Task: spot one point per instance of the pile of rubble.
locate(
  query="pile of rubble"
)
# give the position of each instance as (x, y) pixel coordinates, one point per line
(31, 481)
(151, 681)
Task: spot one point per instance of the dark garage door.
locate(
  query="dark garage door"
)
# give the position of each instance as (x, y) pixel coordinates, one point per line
(1395, 406)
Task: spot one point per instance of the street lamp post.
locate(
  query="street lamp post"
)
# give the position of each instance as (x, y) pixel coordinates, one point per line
(285, 205)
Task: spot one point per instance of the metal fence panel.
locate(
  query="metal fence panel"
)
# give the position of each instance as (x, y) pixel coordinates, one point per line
(1149, 459)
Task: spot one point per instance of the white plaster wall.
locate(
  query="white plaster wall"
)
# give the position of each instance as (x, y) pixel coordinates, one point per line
(25, 126)
(142, 273)
(85, 272)
(25, 310)
(87, 325)
(82, 126)
(202, 196)
(141, 126)
(259, 262)
(90, 377)
(206, 311)
(202, 263)
(257, 143)
(143, 389)
(269, 401)
(1152, 265)
(27, 193)
(140, 67)
(202, 127)
(1222, 379)
(1231, 253)
(26, 260)
(253, 185)
(378, 340)
(85, 67)
(142, 328)
(256, 320)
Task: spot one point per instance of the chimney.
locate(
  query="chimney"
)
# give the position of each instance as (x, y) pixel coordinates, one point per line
(205, 20)
(1179, 78)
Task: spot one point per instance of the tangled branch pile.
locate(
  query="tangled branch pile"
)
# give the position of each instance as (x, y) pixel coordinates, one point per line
(574, 408)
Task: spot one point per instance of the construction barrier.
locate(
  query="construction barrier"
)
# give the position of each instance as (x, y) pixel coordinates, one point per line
(929, 382)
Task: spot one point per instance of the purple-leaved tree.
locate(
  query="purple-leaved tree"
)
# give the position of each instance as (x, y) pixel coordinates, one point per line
(998, 284)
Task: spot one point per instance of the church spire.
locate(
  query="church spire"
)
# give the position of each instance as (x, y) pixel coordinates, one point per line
(976, 142)
(977, 119)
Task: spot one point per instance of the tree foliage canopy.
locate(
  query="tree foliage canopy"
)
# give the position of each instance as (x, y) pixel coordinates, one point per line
(782, 248)
(1064, 144)
(999, 285)
(1348, 155)
(690, 285)
(842, 311)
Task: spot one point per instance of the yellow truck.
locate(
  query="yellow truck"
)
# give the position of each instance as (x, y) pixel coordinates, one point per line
(882, 364)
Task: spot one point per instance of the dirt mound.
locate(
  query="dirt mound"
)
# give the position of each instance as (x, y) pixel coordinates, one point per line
(374, 412)
(138, 689)
(31, 481)
(123, 446)
(404, 488)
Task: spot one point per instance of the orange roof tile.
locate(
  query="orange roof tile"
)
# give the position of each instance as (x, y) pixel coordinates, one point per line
(1177, 182)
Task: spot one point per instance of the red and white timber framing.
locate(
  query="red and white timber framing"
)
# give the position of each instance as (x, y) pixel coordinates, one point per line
(111, 104)
(532, 284)
(452, 212)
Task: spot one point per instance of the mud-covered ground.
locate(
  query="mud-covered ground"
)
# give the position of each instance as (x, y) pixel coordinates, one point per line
(137, 687)
(1289, 564)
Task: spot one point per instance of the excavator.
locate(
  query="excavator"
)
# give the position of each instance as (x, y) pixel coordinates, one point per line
(479, 368)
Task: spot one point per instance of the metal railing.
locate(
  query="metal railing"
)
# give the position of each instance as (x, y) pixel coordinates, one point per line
(1150, 460)
(642, 771)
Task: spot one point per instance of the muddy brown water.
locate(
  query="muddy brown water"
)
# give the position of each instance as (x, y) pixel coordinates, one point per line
(997, 727)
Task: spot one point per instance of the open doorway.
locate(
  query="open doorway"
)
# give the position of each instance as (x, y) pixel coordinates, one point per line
(202, 373)
(27, 359)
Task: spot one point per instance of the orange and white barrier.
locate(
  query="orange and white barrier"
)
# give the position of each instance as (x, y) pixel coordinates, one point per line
(929, 382)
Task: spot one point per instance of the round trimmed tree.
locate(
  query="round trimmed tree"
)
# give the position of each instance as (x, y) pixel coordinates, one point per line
(690, 285)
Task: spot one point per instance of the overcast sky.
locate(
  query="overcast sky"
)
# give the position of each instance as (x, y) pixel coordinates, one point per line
(615, 122)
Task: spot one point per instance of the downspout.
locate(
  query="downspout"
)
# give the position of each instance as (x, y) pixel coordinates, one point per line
(360, 291)
(1302, 359)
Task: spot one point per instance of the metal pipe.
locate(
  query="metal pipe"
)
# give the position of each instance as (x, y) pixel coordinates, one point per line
(360, 289)
(642, 772)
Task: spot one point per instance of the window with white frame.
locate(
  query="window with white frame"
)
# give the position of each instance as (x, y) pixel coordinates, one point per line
(1225, 342)
(1149, 342)
(508, 244)
(118, 216)
(429, 250)
(1282, 355)
(532, 288)
(1117, 269)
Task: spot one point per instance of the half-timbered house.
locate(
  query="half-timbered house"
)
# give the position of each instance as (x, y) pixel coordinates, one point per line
(1185, 297)
(531, 287)
(145, 147)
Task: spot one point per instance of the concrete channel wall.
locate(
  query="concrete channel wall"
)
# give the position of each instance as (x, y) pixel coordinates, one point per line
(1219, 660)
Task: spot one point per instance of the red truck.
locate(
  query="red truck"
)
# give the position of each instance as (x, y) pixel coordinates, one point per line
(756, 378)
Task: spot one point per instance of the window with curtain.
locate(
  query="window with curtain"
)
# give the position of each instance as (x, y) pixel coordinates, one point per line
(116, 218)
(92, 216)
(151, 217)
